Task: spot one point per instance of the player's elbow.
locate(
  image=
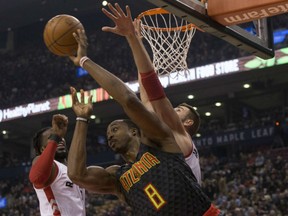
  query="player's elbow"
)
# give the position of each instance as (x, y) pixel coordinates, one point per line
(73, 176)
(130, 100)
(38, 178)
(32, 178)
(76, 178)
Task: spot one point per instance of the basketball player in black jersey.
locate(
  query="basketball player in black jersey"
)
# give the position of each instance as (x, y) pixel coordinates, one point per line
(155, 180)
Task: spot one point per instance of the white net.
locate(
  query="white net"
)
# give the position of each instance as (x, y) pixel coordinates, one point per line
(169, 38)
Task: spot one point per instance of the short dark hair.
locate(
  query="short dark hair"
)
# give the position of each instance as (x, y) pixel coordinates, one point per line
(195, 116)
(36, 140)
(132, 125)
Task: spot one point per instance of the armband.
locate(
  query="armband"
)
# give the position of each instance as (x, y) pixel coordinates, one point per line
(55, 138)
(82, 60)
(82, 119)
(152, 86)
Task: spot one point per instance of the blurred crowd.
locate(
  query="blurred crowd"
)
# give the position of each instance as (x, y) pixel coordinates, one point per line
(244, 184)
(31, 73)
(21, 200)
(252, 184)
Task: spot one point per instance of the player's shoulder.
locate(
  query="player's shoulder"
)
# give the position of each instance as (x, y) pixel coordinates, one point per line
(112, 169)
(35, 159)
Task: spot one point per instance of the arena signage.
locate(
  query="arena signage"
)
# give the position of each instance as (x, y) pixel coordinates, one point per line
(255, 14)
(175, 78)
(24, 110)
(237, 136)
(243, 11)
(226, 67)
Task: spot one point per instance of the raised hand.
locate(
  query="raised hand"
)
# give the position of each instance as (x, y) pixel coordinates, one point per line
(81, 38)
(59, 124)
(123, 21)
(79, 107)
(137, 25)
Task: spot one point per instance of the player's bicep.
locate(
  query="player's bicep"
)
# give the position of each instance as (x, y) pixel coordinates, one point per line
(99, 180)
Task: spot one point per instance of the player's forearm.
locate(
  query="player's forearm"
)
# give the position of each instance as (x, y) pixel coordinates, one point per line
(148, 79)
(143, 95)
(41, 169)
(77, 153)
(154, 99)
(140, 54)
(112, 84)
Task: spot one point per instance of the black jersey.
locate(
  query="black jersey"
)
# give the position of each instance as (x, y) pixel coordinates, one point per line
(161, 183)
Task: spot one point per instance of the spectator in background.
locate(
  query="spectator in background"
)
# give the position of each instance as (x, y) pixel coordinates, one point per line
(259, 160)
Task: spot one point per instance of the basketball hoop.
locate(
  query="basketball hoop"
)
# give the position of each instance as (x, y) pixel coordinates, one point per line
(169, 37)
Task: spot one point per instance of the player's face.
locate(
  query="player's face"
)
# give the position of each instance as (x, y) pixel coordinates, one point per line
(118, 136)
(61, 151)
(182, 112)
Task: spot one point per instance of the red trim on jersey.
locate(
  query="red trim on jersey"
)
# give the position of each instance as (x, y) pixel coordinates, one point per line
(190, 153)
(192, 148)
(212, 211)
(51, 199)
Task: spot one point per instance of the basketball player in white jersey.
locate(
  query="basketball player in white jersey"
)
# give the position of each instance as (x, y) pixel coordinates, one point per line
(184, 120)
(56, 193)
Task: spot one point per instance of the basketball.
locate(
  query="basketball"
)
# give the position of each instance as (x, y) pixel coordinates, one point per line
(58, 34)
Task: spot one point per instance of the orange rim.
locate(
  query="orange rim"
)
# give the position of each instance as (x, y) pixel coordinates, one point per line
(156, 11)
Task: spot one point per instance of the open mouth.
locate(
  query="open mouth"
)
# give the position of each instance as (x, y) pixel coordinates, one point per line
(112, 143)
(61, 146)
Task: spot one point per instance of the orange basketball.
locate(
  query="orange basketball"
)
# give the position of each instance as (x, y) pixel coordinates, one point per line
(58, 34)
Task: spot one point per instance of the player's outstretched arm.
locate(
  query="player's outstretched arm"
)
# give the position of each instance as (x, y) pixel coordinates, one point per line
(147, 121)
(94, 178)
(153, 90)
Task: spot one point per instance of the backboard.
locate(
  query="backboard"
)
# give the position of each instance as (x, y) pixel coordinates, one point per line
(259, 43)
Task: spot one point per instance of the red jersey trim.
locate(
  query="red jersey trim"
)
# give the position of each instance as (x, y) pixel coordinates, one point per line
(190, 153)
(51, 199)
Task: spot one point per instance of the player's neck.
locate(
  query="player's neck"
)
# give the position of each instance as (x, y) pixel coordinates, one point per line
(131, 155)
(62, 160)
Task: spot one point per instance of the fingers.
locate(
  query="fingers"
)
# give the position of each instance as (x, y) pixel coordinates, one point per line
(82, 37)
(109, 15)
(120, 11)
(108, 29)
(128, 11)
(73, 95)
(117, 12)
(60, 117)
(90, 99)
(61, 121)
(137, 27)
(82, 96)
(76, 37)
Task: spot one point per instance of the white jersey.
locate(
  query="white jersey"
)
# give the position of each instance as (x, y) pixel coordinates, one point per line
(193, 162)
(62, 197)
